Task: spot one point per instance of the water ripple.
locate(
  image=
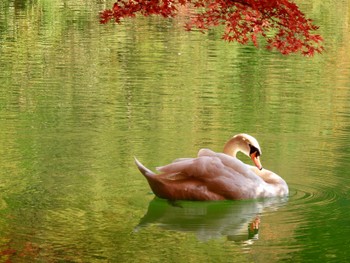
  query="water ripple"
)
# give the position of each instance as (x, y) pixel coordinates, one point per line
(301, 195)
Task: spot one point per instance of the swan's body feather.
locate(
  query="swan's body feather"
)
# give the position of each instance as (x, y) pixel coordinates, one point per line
(213, 176)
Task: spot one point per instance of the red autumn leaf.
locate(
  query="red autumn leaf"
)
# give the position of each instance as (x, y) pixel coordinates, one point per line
(280, 22)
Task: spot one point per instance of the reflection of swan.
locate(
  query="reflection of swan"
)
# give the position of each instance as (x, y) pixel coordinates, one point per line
(235, 220)
(217, 176)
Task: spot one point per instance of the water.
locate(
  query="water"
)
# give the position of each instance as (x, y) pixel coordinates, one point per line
(79, 100)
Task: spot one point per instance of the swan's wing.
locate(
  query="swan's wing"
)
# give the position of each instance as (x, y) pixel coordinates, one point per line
(206, 152)
(201, 152)
(236, 165)
(230, 162)
(181, 159)
(200, 167)
(210, 165)
(207, 169)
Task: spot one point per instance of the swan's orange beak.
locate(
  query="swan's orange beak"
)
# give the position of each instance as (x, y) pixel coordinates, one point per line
(256, 160)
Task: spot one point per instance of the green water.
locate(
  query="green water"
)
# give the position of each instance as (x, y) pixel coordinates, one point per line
(78, 100)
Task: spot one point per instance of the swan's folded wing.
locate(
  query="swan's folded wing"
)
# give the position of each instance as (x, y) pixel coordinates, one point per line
(238, 166)
(206, 152)
(177, 166)
(201, 167)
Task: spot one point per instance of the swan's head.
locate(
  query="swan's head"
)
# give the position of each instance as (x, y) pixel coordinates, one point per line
(246, 144)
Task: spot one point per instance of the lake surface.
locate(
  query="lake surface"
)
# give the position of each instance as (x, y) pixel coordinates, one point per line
(78, 100)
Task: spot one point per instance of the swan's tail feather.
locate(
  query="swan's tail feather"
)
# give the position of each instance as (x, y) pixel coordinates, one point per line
(144, 170)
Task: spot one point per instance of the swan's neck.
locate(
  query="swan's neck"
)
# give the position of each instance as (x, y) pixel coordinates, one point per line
(233, 146)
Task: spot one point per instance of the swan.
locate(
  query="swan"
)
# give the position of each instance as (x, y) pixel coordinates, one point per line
(217, 176)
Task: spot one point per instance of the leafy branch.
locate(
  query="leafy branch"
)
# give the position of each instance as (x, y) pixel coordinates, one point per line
(280, 22)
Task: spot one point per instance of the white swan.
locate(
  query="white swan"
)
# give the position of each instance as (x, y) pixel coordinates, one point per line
(217, 176)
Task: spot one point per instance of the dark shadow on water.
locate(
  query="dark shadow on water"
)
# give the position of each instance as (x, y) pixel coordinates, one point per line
(235, 220)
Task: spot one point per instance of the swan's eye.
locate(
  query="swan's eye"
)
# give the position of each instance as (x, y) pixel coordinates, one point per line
(253, 150)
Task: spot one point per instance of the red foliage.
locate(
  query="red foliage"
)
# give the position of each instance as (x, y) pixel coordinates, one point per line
(6, 252)
(280, 22)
